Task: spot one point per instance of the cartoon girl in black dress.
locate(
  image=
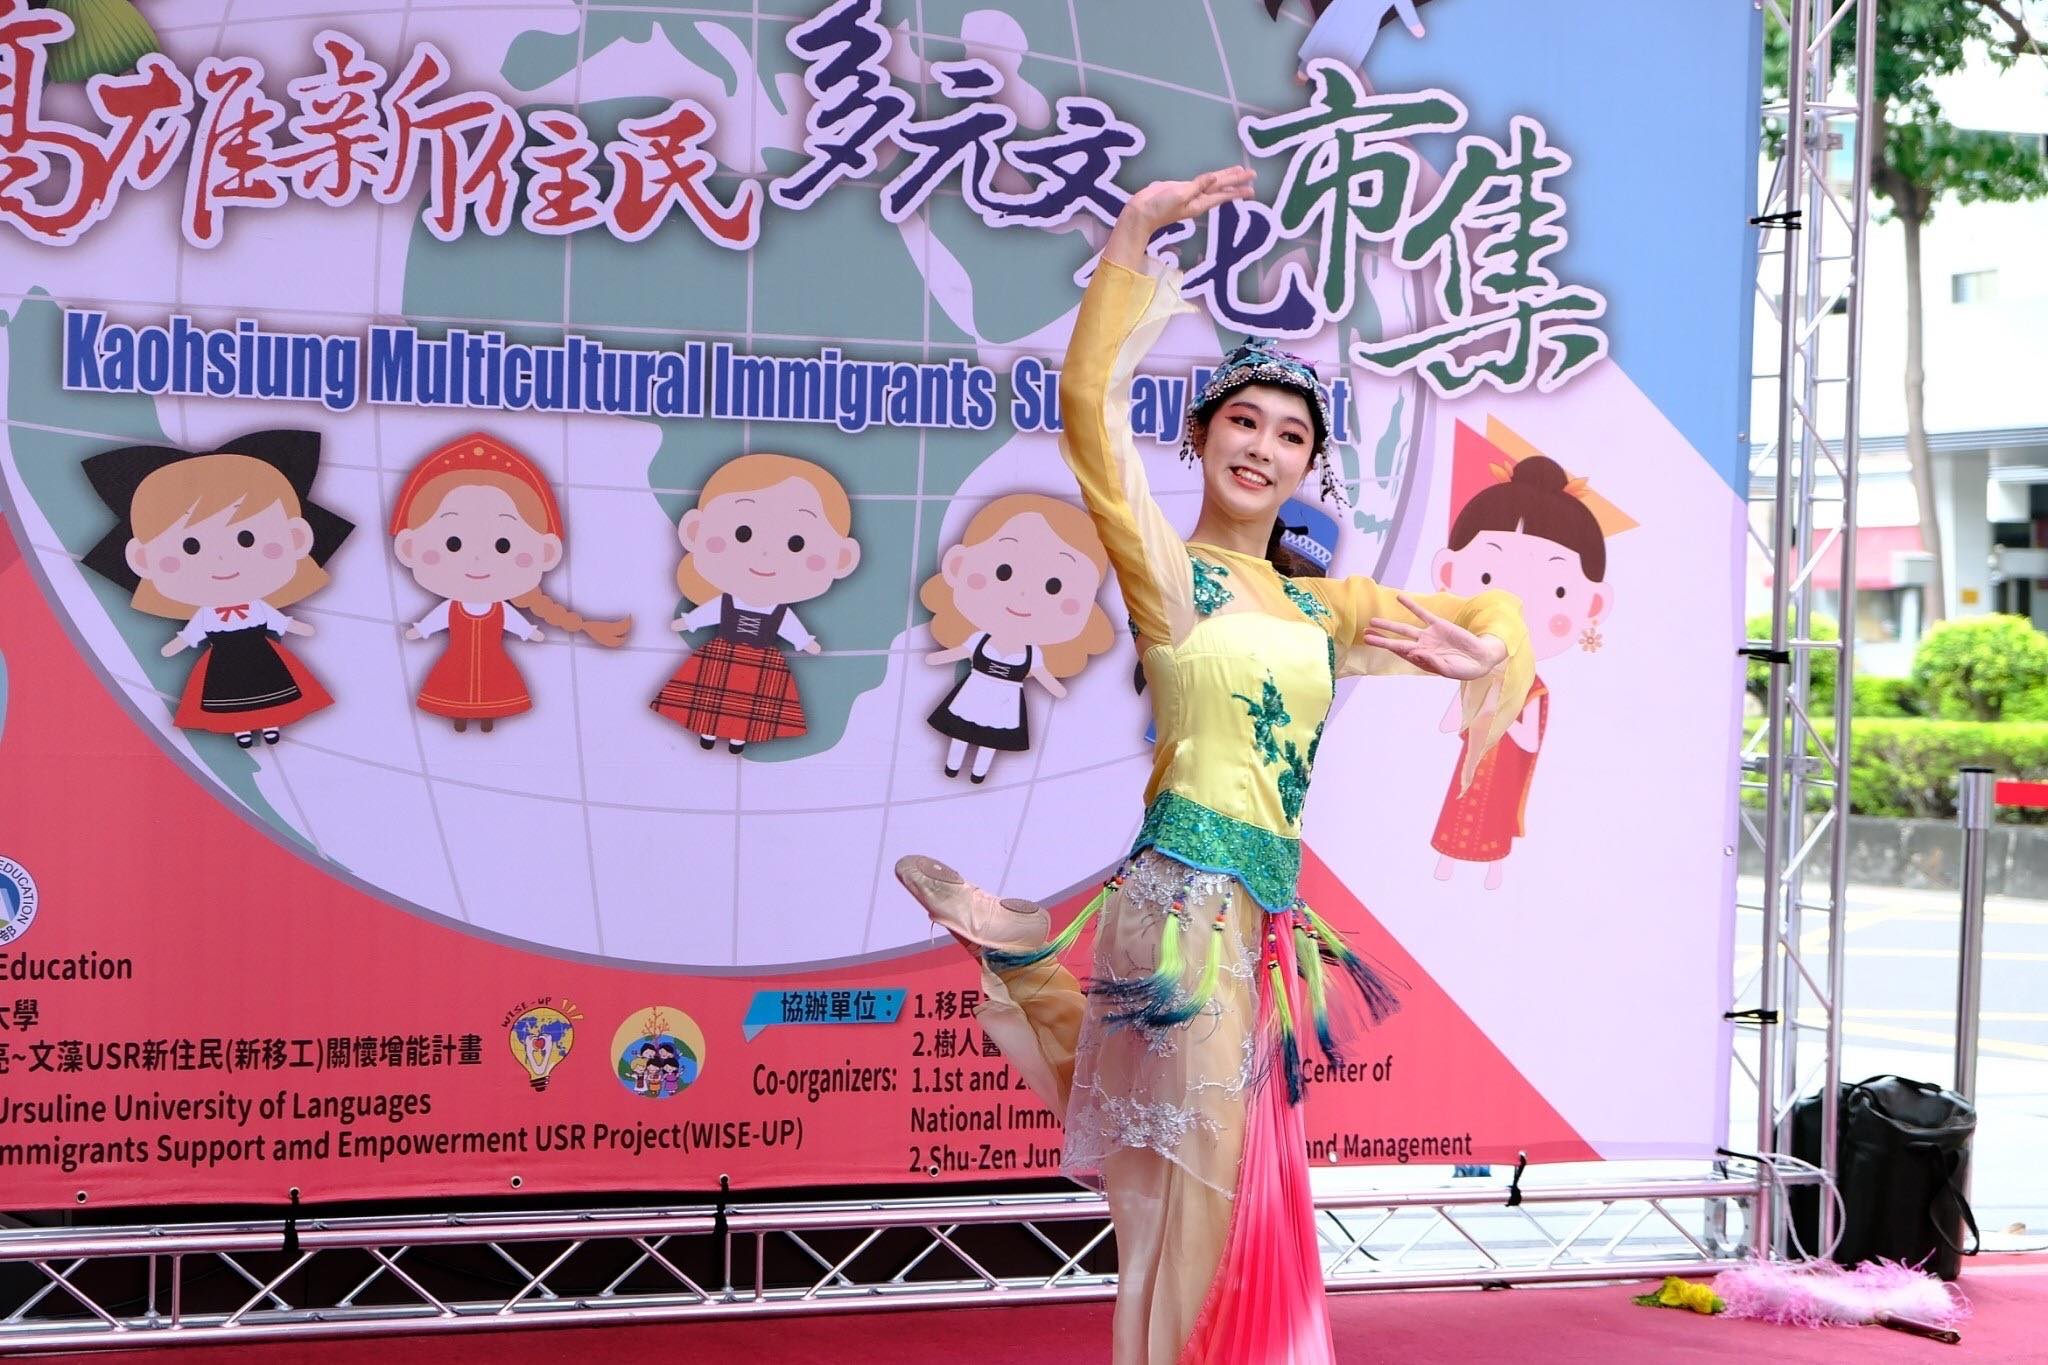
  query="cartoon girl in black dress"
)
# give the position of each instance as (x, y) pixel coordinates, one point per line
(224, 540)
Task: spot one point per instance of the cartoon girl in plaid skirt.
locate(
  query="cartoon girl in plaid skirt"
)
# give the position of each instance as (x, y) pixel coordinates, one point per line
(768, 531)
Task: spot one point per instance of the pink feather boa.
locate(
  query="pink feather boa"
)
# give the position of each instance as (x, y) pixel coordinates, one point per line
(1822, 1294)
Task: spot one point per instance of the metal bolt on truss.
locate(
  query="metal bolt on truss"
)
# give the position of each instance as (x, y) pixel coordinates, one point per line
(1803, 512)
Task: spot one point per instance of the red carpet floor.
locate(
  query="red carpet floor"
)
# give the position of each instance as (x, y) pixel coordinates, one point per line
(1596, 1326)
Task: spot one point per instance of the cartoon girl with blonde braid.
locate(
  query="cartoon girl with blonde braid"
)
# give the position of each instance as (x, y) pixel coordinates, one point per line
(478, 526)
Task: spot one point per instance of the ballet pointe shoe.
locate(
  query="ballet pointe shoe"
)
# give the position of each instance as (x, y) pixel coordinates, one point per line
(971, 915)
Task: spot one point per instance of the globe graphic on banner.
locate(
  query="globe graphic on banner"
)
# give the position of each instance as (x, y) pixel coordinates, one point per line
(592, 825)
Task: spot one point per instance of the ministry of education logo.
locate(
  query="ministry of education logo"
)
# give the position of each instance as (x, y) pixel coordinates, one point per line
(17, 900)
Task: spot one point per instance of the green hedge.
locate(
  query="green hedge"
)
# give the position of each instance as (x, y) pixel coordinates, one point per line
(2031, 704)
(1907, 767)
(1978, 695)
(1978, 668)
(1824, 663)
(1886, 698)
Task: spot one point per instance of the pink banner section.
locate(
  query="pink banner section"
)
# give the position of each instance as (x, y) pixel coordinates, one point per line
(199, 1013)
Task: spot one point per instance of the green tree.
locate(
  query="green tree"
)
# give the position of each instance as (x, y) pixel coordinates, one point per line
(1919, 158)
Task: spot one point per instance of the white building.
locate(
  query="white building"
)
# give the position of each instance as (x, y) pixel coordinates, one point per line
(1984, 280)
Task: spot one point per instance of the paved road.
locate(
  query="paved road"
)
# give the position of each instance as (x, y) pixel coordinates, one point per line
(1900, 1003)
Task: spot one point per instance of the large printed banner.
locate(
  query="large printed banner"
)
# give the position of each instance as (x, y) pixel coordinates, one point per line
(518, 515)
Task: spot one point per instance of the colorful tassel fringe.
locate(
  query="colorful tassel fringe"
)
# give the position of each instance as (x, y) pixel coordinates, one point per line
(1308, 955)
(997, 960)
(1298, 942)
(1162, 999)
(1315, 946)
(1283, 1018)
(1380, 1000)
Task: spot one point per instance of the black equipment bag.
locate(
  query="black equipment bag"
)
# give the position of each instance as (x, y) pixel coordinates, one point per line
(1904, 1153)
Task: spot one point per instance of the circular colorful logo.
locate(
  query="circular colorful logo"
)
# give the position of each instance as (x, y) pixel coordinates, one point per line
(658, 1052)
(17, 900)
(541, 1038)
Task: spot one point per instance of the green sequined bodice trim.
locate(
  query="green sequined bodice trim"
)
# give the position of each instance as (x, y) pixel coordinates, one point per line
(1267, 863)
(1209, 590)
(1311, 605)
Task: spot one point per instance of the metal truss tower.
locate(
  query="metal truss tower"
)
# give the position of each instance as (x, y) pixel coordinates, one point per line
(1812, 224)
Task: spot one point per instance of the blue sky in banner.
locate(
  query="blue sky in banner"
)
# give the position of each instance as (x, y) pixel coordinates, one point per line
(1662, 181)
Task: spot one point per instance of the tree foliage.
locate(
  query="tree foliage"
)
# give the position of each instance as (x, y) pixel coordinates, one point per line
(1918, 158)
(1920, 155)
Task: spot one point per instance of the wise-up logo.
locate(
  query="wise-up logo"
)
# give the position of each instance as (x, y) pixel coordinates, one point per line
(541, 1033)
(17, 900)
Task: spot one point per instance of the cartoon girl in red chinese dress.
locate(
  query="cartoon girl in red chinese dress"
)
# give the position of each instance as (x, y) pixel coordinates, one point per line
(1532, 529)
(224, 540)
(768, 531)
(478, 526)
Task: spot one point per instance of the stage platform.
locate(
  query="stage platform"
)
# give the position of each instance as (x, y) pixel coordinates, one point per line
(1528, 1326)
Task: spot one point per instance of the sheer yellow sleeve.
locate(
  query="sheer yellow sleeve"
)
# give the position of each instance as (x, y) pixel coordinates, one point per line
(1491, 703)
(1121, 317)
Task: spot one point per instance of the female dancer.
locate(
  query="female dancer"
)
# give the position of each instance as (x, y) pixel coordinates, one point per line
(1178, 1072)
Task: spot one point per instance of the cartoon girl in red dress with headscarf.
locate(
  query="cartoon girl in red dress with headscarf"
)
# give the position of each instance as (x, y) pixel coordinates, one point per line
(1528, 527)
(478, 526)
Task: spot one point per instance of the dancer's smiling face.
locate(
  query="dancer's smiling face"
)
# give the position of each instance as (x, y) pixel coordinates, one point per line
(1255, 450)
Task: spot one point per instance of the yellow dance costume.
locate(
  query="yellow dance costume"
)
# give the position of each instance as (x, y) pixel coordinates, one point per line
(1177, 1071)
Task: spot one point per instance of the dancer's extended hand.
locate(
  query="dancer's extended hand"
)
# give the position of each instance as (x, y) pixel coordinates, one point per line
(1171, 201)
(1436, 645)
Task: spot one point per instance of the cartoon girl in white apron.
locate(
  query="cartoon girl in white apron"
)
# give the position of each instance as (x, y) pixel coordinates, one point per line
(1015, 599)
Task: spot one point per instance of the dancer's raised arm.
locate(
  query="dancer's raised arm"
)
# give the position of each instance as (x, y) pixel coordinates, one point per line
(1127, 306)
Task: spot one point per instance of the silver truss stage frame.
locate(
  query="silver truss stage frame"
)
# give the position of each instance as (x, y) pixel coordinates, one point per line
(1803, 503)
(121, 1288)
(171, 1283)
